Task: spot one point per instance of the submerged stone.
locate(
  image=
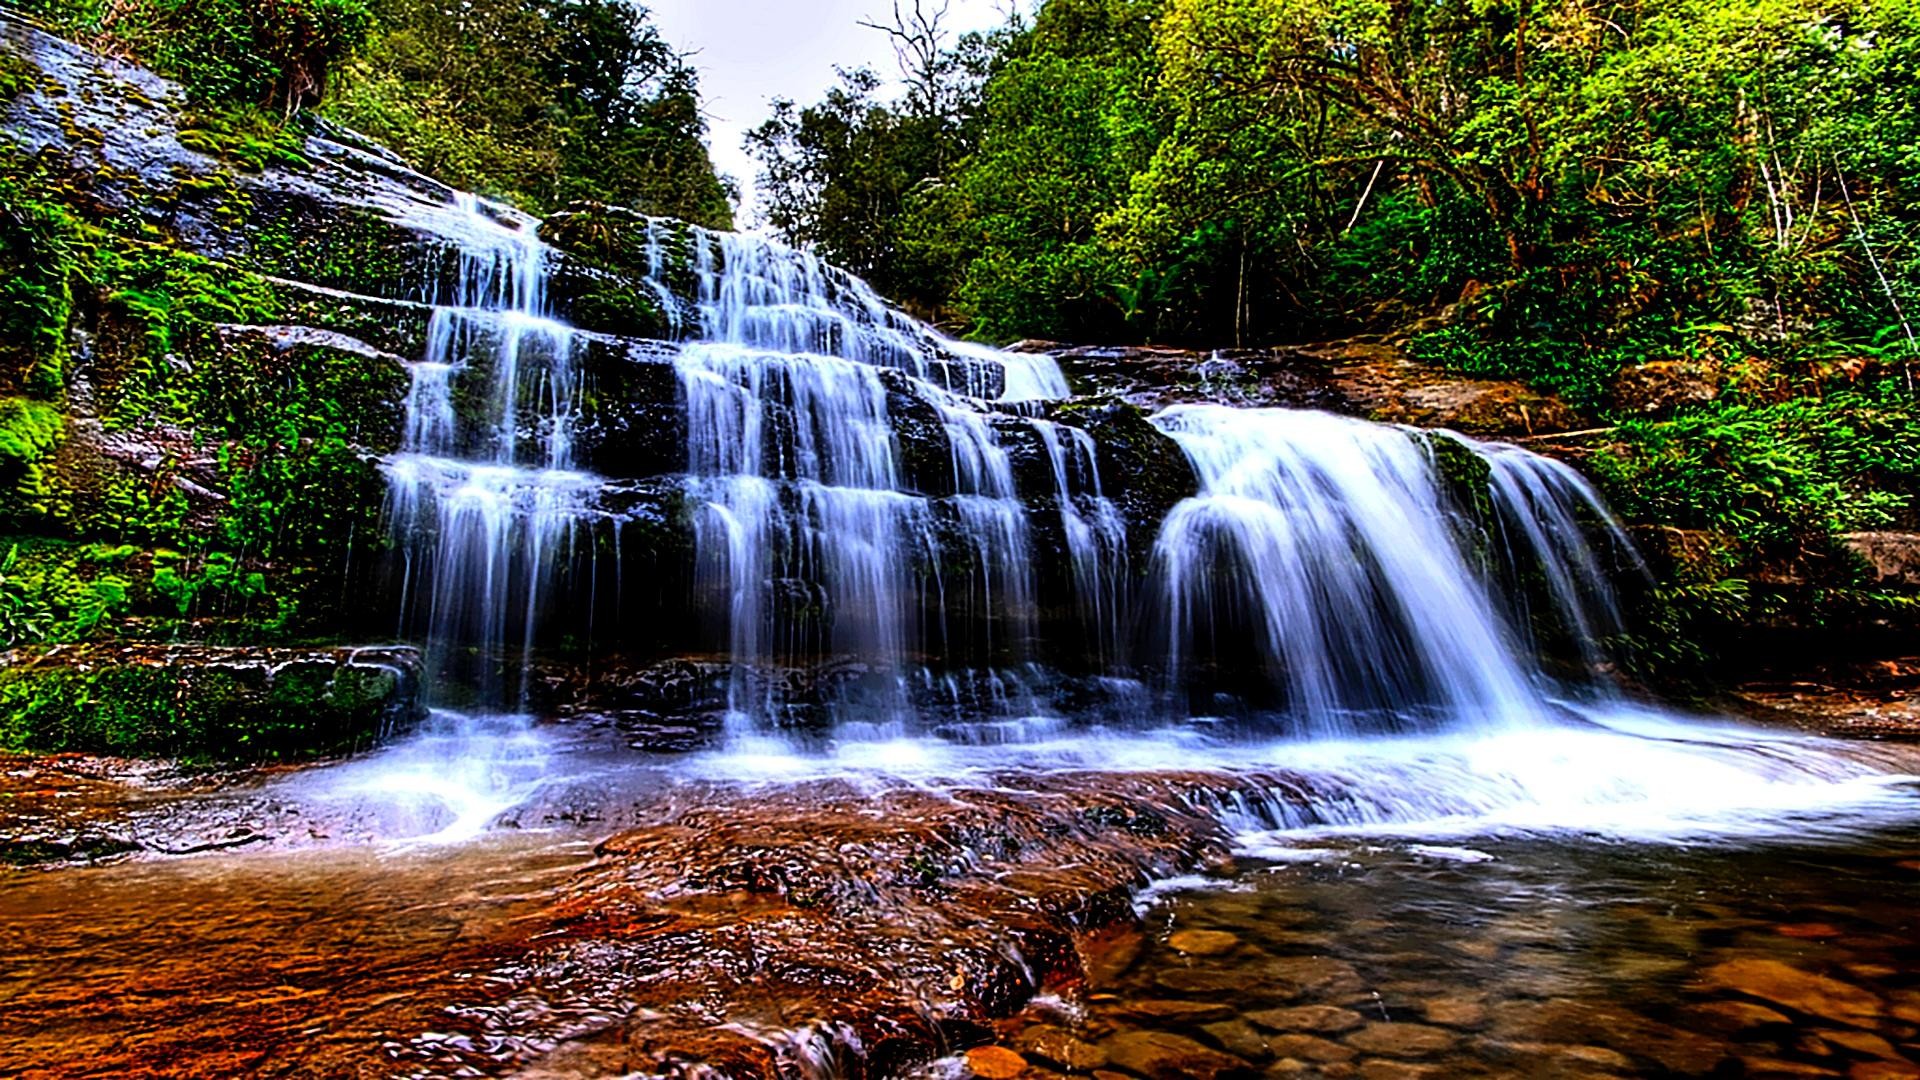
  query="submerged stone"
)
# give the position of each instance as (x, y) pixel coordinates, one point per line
(1160, 1055)
(1801, 991)
(1402, 1040)
(995, 1063)
(1061, 1047)
(1320, 1019)
(1203, 942)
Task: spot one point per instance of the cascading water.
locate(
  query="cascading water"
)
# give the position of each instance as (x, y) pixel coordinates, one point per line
(484, 496)
(857, 505)
(1327, 545)
(810, 526)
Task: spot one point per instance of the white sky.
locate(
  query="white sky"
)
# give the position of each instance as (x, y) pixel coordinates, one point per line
(752, 51)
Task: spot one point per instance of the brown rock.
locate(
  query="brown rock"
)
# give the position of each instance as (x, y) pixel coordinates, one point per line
(1664, 385)
(1402, 1040)
(1731, 1016)
(1061, 1047)
(1894, 557)
(1379, 1069)
(1318, 974)
(1778, 1069)
(1808, 931)
(1180, 1012)
(1200, 981)
(1321, 1019)
(1161, 1054)
(1801, 991)
(1457, 1012)
(995, 1063)
(1883, 1070)
(1861, 1042)
(1552, 1057)
(1203, 942)
(1239, 1038)
(1310, 1048)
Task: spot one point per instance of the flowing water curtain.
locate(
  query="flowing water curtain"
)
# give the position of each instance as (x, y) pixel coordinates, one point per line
(1320, 550)
(810, 526)
(484, 499)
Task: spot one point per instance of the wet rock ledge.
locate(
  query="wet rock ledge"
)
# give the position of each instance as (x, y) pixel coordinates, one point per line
(197, 701)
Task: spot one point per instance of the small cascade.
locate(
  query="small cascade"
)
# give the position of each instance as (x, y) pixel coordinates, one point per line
(484, 499)
(1547, 517)
(1096, 536)
(811, 525)
(1323, 553)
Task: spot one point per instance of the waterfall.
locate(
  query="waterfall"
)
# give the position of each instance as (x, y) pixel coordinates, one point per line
(1324, 553)
(484, 499)
(809, 524)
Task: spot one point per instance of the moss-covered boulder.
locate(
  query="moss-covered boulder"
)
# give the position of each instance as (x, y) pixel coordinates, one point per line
(205, 703)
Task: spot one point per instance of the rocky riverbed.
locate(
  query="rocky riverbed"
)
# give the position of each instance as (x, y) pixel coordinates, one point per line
(755, 916)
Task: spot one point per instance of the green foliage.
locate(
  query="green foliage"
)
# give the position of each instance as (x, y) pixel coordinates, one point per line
(1754, 499)
(39, 256)
(541, 102)
(175, 299)
(1768, 475)
(57, 592)
(245, 135)
(29, 432)
(274, 53)
(201, 712)
(1581, 187)
(17, 75)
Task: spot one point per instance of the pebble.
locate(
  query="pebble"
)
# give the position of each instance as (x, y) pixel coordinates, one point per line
(1163, 1055)
(1861, 1042)
(1180, 1012)
(1200, 981)
(1456, 1012)
(1380, 1069)
(1883, 1070)
(1812, 931)
(1402, 1040)
(1314, 973)
(1762, 1068)
(1562, 1055)
(1729, 1016)
(1239, 1038)
(1061, 1047)
(995, 1063)
(1801, 991)
(1310, 1048)
(1321, 1019)
(1203, 942)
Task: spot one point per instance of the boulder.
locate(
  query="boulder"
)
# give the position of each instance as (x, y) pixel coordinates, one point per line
(1660, 387)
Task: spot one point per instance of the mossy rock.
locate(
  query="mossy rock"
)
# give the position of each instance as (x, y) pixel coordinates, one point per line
(205, 704)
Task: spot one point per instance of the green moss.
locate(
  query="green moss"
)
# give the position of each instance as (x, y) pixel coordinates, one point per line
(40, 254)
(17, 76)
(197, 710)
(29, 433)
(57, 591)
(246, 136)
(354, 251)
(614, 307)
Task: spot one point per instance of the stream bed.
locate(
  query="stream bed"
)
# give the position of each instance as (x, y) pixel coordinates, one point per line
(431, 911)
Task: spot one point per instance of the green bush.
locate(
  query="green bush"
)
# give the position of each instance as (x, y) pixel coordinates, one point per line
(1786, 473)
